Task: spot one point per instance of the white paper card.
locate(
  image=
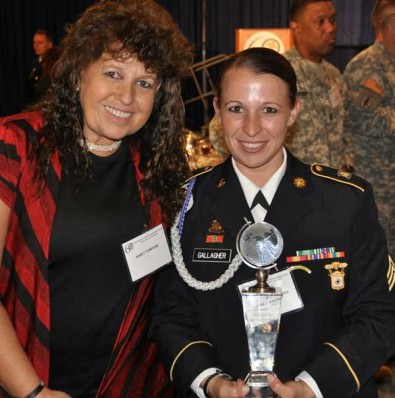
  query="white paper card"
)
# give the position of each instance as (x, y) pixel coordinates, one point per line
(291, 299)
(147, 253)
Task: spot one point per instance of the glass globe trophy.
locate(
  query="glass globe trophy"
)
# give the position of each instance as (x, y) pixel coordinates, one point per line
(260, 245)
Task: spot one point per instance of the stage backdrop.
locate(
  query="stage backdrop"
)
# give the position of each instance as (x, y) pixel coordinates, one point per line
(20, 18)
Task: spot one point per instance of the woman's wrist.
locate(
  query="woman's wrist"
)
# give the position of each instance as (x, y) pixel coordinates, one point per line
(34, 393)
(210, 378)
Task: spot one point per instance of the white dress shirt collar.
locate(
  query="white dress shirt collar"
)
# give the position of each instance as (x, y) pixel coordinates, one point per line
(268, 190)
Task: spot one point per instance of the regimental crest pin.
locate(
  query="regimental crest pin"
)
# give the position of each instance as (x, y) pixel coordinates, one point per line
(215, 233)
(216, 227)
(299, 182)
(345, 174)
(337, 274)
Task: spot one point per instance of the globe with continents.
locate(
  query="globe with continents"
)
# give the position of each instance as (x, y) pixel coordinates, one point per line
(260, 244)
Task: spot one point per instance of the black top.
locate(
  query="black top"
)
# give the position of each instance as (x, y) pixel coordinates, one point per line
(88, 276)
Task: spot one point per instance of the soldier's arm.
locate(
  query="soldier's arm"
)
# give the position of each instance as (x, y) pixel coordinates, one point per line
(370, 101)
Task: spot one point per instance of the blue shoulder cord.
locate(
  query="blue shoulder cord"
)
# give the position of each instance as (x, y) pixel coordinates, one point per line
(185, 206)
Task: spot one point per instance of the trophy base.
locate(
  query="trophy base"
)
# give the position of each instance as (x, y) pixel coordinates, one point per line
(259, 386)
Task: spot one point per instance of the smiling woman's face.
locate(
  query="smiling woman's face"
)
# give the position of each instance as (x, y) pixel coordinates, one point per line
(255, 112)
(117, 97)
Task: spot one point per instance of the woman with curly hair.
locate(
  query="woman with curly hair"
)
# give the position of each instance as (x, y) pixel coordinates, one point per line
(100, 166)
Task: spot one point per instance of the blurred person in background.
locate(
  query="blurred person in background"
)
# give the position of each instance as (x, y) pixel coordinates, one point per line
(43, 84)
(317, 136)
(35, 88)
(370, 113)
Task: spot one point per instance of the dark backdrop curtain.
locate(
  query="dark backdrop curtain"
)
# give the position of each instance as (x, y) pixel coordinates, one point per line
(20, 18)
(354, 30)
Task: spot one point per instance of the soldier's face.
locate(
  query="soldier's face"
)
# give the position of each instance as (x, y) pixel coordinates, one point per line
(41, 44)
(315, 30)
(255, 112)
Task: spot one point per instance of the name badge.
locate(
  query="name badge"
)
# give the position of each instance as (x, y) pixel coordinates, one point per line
(212, 255)
(147, 253)
(291, 300)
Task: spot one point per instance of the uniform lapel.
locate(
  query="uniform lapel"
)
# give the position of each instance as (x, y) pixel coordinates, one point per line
(228, 202)
(291, 202)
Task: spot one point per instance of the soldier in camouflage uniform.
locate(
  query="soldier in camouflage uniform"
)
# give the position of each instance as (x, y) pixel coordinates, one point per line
(370, 113)
(318, 134)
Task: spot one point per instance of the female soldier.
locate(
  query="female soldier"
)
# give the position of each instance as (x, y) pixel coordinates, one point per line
(340, 326)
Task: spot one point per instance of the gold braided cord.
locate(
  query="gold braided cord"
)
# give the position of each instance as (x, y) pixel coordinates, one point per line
(182, 351)
(335, 179)
(178, 260)
(348, 365)
(391, 273)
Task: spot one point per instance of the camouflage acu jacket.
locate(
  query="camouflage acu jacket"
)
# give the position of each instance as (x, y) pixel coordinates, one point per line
(317, 136)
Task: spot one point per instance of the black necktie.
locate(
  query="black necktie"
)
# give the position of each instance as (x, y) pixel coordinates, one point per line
(260, 199)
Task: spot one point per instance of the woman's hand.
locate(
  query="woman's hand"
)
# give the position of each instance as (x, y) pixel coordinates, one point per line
(290, 389)
(47, 393)
(220, 387)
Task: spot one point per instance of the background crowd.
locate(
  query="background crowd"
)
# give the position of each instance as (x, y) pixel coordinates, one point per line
(223, 17)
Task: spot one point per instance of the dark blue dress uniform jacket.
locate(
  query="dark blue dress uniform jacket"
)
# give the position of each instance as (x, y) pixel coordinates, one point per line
(340, 337)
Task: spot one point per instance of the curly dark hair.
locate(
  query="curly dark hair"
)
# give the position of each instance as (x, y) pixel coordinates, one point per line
(138, 28)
